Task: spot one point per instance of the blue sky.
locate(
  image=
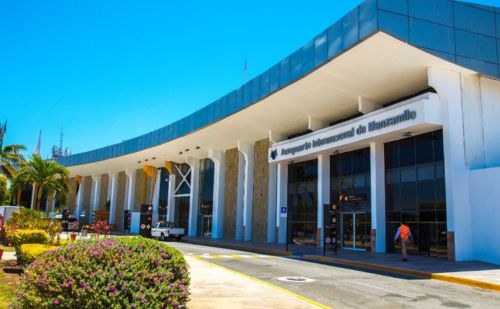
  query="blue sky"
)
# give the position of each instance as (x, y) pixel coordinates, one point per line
(104, 71)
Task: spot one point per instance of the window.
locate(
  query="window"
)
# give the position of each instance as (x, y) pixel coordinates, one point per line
(415, 191)
(302, 202)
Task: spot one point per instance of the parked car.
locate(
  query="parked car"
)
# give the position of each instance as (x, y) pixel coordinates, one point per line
(73, 224)
(167, 230)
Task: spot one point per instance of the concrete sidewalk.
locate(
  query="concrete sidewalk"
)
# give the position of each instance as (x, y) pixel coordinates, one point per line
(8, 256)
(214, 286)
(474, 274)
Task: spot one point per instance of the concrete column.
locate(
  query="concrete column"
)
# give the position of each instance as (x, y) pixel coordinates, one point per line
(79, 200)
(240, 197)
(323, 192)
(171, 198)
(366, 106)
(377, 184)
(156, 197)
(130, 189)
(315, 124)
(272, 203)
(33, 196)
(113, 194)
(193, 199)
(458, 212)
(95, 198)
(54, 195)
(247, 150)
(219, 159)
(282, 192)
(109, 191)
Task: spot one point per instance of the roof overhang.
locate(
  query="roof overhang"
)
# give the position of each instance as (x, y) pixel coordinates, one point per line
(381, 69)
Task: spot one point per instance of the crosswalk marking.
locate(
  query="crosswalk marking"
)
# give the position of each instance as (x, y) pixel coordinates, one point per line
(233, 256)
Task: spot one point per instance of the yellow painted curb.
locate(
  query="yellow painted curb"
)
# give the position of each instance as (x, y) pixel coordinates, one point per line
(415, 273)
(310, 301)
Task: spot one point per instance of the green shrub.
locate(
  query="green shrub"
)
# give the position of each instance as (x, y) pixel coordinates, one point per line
(28, 219)
(21, 237)
(30, 252)
(126, 272)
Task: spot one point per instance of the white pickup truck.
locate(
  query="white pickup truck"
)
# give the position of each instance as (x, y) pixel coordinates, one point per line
(166, 230)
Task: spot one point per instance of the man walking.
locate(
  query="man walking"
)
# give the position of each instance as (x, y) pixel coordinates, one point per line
(404, 233)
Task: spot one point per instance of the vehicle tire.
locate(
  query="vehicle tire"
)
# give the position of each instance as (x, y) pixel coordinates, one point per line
(178, 238)
(162, 237)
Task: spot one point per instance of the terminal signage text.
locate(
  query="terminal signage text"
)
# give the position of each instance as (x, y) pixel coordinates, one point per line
(347, 134)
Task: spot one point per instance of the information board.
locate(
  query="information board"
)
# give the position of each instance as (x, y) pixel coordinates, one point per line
(330, 223)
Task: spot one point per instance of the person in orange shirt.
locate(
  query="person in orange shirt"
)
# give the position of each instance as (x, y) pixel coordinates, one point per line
(404, 233)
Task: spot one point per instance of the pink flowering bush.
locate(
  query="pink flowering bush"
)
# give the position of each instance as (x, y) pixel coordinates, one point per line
(101, 227)
(127, 272)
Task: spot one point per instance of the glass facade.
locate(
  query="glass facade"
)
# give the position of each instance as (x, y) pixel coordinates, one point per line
(182, 192)
(415, 192)
(182, 212)
(350, 189)
(302, 202)
(182, 184)
(205, 198)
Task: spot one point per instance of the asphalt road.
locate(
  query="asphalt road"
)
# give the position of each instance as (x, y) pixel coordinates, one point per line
(340, 287)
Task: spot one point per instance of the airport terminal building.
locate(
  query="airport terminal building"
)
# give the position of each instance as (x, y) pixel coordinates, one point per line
(392, 113)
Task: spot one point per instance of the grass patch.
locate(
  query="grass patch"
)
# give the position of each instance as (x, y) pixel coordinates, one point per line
(9, 283)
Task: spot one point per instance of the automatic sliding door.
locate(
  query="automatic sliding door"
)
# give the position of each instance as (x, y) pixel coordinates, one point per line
(355, 230)
(347, 230)
(362, 233)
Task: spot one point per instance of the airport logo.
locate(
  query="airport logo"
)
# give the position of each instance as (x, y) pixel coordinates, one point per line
(274, 154)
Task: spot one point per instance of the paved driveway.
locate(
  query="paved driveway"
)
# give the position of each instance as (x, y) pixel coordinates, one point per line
(345, 288)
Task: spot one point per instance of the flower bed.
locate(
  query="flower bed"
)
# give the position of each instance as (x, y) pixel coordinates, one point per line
(125, 272)
(21, 237)
(31, 251)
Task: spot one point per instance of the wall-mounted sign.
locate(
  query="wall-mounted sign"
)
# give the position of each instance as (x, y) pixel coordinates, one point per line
(352, 197)
(330, 228)
(366, 127)
(283, 212)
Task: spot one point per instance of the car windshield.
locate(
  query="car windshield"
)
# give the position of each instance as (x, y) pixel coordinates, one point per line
(162, 224)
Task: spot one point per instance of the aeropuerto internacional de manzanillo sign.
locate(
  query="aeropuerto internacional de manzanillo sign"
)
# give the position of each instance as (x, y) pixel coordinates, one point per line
(365, 127)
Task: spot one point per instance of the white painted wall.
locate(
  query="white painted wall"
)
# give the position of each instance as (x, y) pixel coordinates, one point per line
(471, 144)
(377, 183)
(473, 115)
(323, 192)
(485, 202)
(490, 98)
(458, 211)
(481, 114)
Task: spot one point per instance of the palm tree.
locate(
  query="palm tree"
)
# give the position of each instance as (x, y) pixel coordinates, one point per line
(10, 155)
(45, 175)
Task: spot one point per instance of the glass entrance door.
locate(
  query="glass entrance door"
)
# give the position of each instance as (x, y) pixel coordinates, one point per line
(207, 226)
(354, 233)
